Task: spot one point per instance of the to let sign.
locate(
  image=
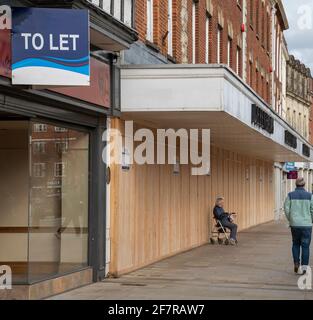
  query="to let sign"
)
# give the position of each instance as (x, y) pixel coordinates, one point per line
(50, 47)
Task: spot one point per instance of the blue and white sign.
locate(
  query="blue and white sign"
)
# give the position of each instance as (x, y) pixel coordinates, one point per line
(290, 166)
(50, 47)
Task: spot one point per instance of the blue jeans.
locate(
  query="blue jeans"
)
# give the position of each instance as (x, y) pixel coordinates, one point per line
(232, 227)
(301, 240)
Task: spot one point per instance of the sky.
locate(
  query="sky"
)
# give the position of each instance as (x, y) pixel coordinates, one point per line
(300, 34)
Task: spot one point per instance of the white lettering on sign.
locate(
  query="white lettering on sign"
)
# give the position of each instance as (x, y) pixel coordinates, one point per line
(36, 37)
(5, 18)
(65, 42)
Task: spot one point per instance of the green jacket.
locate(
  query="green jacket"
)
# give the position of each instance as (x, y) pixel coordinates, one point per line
(299, 208)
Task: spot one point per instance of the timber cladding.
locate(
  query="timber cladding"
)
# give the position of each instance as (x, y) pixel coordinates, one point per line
(155, 213)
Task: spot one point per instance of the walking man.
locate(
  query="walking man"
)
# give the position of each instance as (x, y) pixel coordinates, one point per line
(299, 213)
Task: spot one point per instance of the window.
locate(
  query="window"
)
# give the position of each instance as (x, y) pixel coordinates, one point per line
(219, 43)
(251, 12)
(263, 25)
(39, 127)
(257, 80)
(59, 129)
(238, 61)
(150, 20)
(229, 52)
(257, 18)
(193, 32)
(39, 170)
(39, 147)
(170, 28)
(207, 40)
(251, 73)
(120, 9)
(61, 146)
(59, 169)
(268, 32)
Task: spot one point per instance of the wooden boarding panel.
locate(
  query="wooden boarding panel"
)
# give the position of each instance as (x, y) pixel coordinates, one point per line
(155, 213)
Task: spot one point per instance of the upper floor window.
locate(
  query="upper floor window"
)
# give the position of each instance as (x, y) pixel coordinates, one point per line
(219, 43)
(229, 51)
(39, 170)
(193, 32)
(251, 12)
(207, 40)
(39, 147)
(170, 28)
(150, 20)
(120, 9)
(60, 129)
(263, 25)
(238, 61)
(257, 18)
(40, 127)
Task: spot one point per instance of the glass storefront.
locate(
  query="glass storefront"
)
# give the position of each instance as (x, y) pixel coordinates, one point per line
(44, 194)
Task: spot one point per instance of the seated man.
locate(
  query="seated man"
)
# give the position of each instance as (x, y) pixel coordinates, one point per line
(225, 219)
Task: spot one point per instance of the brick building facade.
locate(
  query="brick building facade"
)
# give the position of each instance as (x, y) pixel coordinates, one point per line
(236, 33)
(200, 64)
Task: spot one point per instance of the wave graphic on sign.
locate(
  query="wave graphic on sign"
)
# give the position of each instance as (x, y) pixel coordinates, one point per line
(79, 66)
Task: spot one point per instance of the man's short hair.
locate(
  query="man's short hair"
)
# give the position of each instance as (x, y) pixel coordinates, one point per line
(300, 182)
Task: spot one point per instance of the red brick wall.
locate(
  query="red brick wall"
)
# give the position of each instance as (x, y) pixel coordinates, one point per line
(258, 43)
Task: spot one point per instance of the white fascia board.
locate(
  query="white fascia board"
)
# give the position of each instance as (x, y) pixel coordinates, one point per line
(148, 88)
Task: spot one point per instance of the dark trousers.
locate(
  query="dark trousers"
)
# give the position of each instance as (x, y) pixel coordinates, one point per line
(232, 227)
(301, 240)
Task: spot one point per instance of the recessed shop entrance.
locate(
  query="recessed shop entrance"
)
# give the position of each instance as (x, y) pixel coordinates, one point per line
(44, 196)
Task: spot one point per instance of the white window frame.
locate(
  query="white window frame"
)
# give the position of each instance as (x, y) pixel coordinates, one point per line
(207, 39)
(59, 143)
(40, 127)
(60, 129)
(229, 40)
(170, 28)
(219, 44)
(56, 168)
(149, 35)
(193, 32)
(39, 147)
(237, 60)
(42, 169)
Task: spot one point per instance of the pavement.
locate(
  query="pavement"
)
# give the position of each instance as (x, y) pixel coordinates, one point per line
(260, 267)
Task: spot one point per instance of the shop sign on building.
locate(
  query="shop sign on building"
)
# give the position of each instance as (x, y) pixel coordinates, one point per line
(50, 47)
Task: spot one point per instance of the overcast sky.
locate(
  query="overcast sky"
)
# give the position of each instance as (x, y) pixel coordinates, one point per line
(300, 34)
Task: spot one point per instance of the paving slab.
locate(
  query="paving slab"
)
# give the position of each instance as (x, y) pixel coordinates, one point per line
(260, 267)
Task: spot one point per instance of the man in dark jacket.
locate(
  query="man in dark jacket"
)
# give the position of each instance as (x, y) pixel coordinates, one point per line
(225, 219)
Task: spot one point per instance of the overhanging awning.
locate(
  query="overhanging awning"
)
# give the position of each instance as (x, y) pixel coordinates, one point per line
(210, 96)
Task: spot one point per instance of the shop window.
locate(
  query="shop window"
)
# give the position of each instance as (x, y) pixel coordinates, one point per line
(43, 210)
